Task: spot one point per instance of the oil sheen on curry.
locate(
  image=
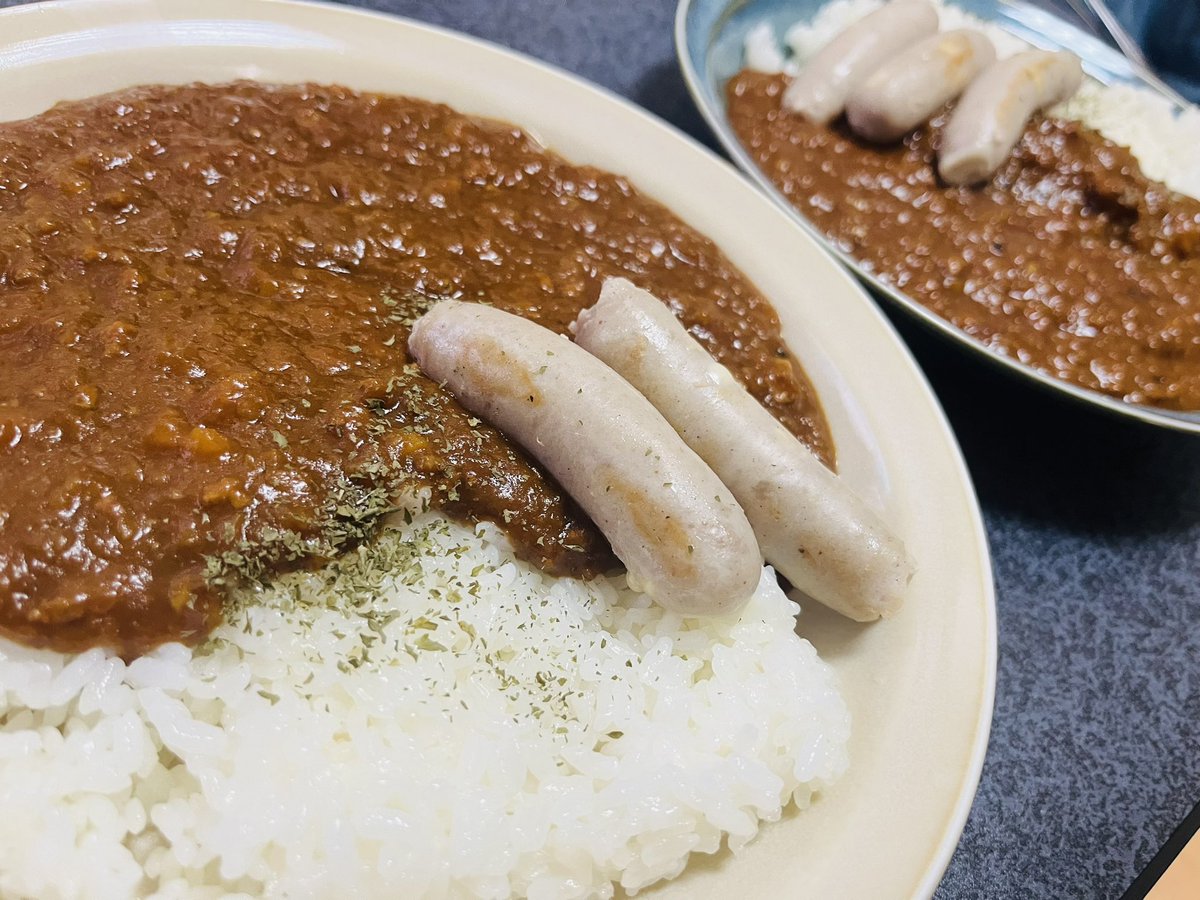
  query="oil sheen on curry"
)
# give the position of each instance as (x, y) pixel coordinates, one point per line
(205, 298)
(1069, 259)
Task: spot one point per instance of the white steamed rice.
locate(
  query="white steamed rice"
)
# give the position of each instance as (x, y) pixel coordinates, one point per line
(428, 718)
(1164, 142)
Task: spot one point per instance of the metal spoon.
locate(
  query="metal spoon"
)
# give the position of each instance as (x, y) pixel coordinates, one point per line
(1097, 10)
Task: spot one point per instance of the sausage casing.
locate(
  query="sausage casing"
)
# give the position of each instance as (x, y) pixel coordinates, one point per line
(809, 524)
(683, 538)
(820, 90)
(992, 113)
(911, 86)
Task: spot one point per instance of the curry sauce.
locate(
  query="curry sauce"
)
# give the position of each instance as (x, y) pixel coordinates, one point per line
(205, 298)
(1069, 259)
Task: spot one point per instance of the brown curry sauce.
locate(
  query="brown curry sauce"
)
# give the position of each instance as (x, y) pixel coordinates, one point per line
(205, 295)
(1069, 259)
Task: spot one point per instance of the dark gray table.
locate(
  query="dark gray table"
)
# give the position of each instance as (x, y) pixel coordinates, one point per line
(1095, 531)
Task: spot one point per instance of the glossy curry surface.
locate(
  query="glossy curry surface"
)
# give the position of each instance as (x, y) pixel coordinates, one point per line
(205, 298)
(1069, 259)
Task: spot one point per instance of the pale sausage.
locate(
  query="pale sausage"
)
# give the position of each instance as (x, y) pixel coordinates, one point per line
(820, 90)
(910, 87)
(809, 524)
(992, 113)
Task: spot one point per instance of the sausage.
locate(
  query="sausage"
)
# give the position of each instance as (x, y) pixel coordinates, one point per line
(819, 92)
(912, 85)
(680, 534)
(809, 524)
(994, 110)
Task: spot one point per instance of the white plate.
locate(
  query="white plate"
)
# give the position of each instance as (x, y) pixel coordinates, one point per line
(920, 686)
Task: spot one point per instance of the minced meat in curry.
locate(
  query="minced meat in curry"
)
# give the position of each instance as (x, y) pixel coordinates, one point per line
(205, 297)
(1069, 259)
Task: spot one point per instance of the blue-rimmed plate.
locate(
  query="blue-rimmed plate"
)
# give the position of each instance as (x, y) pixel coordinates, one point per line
(709, 38)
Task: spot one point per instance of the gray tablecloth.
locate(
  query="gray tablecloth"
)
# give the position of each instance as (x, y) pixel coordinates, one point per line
(1094, 526)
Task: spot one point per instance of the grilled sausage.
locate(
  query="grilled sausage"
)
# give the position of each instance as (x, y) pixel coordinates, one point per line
(912, 85)
(809, 524)
(992, 113)
(819, 92)
(681, 535)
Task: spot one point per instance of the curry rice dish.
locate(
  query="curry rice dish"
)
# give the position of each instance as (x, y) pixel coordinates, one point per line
(206, 295)
(1069, 259)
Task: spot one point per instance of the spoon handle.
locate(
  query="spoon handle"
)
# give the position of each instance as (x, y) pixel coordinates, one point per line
(1127, 45)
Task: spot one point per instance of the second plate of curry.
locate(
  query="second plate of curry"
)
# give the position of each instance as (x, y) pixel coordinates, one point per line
(1070, 269)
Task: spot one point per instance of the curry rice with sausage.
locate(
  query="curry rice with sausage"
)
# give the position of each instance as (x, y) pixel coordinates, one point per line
(1069, 259)
(205, 298)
